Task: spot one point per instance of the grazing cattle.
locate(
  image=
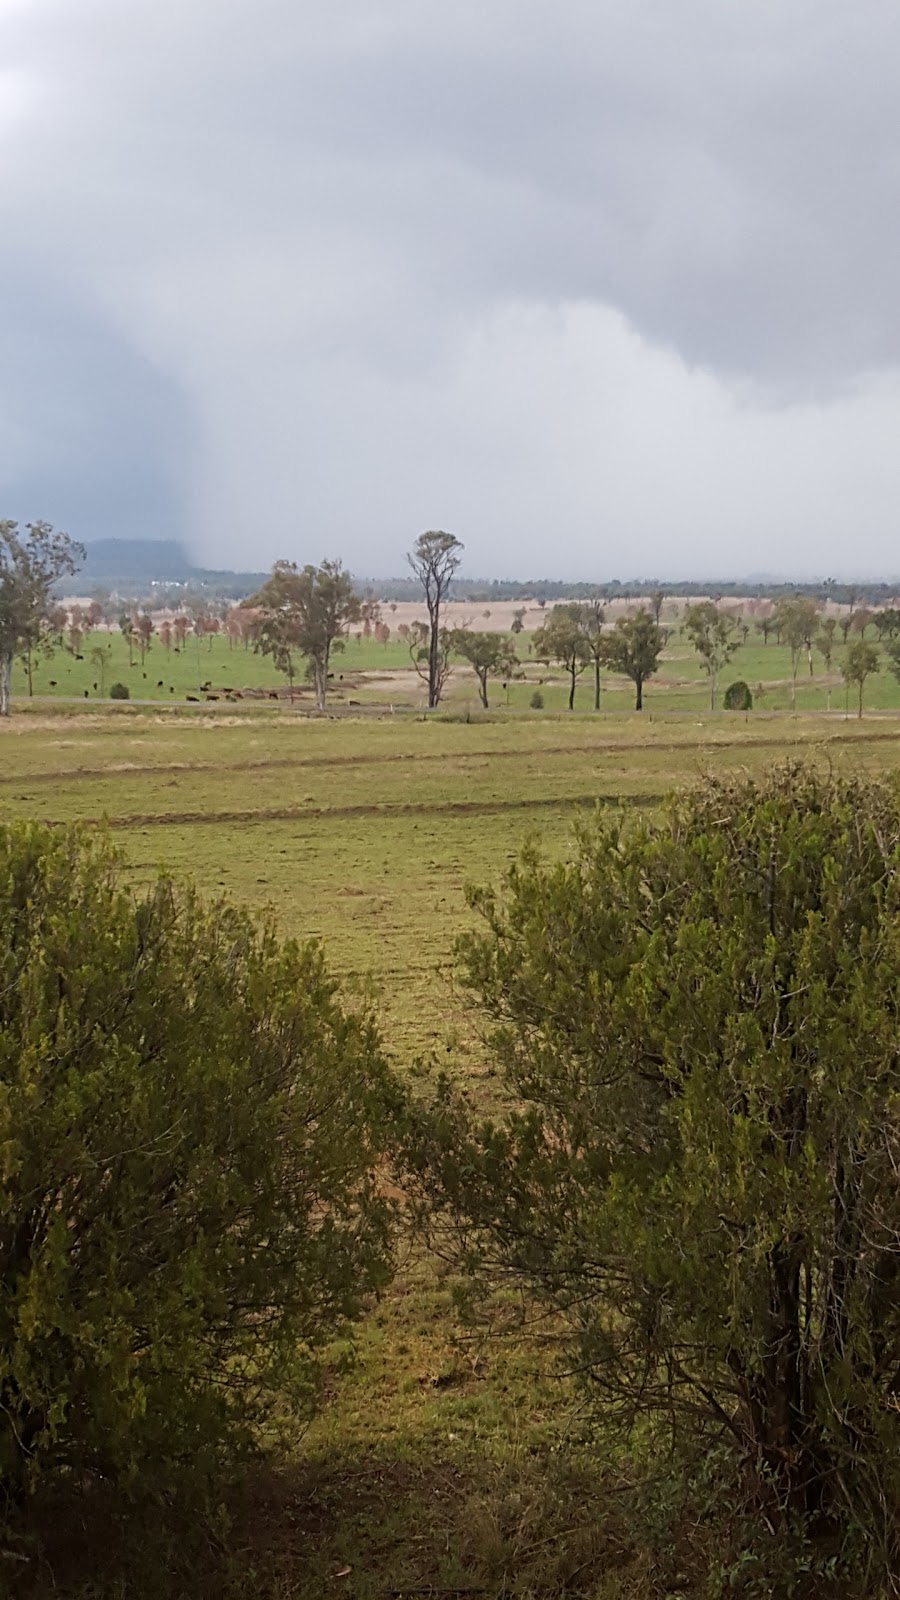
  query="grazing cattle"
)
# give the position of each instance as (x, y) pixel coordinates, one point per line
(354, 702)
(79, 658)
(210, 697)
(53, 683)
(272, 694)
(205, 687)
(193, 698)
(86, 694)
(171, 688)
(95, 688)
(160, 685)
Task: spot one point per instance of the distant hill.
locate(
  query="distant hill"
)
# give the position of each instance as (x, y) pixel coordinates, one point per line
(136, 566)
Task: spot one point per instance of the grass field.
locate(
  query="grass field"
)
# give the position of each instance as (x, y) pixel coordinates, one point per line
(437, 1466)
(372, 674)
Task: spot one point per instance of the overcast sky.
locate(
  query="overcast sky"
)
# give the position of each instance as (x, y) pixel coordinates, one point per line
(605, 287)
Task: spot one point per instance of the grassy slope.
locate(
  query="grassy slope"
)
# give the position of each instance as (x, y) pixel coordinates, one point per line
(435, 1463)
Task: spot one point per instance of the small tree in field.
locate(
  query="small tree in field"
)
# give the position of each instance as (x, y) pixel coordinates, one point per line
(487, 654)
(696, 1024)
(562, 638)
(99, 659)
(31, 564)
(633, 647)
(127, 630)
(592, 614)
(191, 1127)
(860, 661)
(305, 611)
(824, 643)
(796, 619)
(711, 633)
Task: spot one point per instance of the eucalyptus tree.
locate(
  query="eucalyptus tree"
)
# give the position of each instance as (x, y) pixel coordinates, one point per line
(860, 661)
(563, 639)
(434, 559)
(712, 634)
(305, 611)
(796, 618)
(633, 648)
(488, 654)
(31, 565)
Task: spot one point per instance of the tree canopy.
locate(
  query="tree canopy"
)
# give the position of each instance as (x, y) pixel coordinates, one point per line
(31, 564)
(563, 638)
(305, 611)
(487, 654)
(633, 647)
(711, 633)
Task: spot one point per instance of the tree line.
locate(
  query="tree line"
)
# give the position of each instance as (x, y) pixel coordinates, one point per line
(301, 616)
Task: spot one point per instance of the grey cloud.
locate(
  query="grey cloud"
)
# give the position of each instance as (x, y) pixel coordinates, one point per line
(360, 267)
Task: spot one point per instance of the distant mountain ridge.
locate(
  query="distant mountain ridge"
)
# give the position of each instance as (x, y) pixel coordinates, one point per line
(157, 563)
(139, 567)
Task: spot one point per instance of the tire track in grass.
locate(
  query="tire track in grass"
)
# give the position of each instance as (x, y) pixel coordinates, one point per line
(604, 747)
(450, 808)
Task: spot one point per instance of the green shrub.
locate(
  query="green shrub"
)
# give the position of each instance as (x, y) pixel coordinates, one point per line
(537, 701)
(738, 697)
(120, 691)
(697, 1021)
(190, 1130)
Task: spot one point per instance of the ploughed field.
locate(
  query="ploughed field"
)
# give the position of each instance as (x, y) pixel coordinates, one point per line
(437, 1465)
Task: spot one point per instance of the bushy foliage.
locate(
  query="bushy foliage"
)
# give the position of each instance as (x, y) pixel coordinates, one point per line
(120, 691)
(697, 1018)
(738, 697)
(190, 1130)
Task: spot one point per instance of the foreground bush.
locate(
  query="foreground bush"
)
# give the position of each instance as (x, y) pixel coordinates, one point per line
(189, 1132)
(700, 1017)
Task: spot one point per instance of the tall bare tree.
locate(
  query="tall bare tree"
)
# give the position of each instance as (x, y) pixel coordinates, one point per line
(434, 558)
(31, 564)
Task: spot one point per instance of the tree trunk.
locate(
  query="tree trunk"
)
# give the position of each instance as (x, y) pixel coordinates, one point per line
(482, 688)
(434, 685)
(5, 681)
(596, 683)
(572, 689)
(320, 680)
(859, 713)
(28, 669)
(639, 701)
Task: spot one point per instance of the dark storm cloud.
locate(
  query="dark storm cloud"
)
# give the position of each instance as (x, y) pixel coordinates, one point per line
(302, 278)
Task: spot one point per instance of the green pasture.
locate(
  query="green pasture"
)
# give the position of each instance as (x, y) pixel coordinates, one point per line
(374, 675)
(438, 1465)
